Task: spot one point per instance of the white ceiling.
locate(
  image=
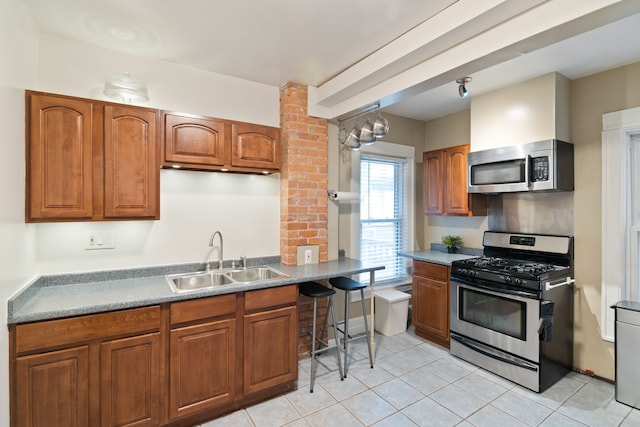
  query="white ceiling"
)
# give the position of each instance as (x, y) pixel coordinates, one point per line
(316, 42)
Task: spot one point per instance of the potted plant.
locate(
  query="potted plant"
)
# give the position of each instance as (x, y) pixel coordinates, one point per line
(452, 243)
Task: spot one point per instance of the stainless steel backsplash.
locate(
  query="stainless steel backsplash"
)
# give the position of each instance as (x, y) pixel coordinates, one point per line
(539, 213)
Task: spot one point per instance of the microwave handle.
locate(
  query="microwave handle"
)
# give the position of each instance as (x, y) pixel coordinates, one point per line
(527, 171)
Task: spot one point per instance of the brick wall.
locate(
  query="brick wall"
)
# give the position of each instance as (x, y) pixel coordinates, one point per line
(303, 193)
(303, 176)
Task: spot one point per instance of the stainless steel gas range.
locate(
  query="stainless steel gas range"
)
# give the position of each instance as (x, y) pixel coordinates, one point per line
(512, 308)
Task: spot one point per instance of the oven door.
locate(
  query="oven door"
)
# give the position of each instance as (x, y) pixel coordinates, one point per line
(506, 320)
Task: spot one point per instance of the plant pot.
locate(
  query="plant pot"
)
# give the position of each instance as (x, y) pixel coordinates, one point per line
(452, 250)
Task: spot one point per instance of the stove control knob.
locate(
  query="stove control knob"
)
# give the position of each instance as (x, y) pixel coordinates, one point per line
(517, 281)
(463, 271)
(472, 273)
(507, 279)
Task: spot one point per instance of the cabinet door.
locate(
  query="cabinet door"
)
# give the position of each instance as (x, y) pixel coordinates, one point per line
(270, 349)
(255, 146)
(130, 381)
(194, 141)
(59, 158)
(202, 367)
(131, 169)
(52, 389)
(430, 309)
(433, 188)
(455, 173)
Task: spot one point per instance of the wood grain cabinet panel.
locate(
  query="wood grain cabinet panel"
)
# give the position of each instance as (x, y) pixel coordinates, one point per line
(52, 389)
(445, 184)
(131, 169)
(59, 158)
(255, 146)
(430, 302)
(202, 367)
(270, 349)
(130, 381)
(194, 141)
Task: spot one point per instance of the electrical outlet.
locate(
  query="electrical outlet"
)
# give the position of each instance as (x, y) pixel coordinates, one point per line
(308, 256)
(102, 240)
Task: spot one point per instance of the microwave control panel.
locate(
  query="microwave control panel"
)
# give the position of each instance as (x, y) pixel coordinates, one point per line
(539, 169)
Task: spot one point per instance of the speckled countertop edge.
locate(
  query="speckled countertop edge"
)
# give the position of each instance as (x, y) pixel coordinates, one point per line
(437, 254)
(51, 297)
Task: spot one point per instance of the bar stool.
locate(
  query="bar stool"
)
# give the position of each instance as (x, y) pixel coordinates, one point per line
(316, 290)
(348, 285)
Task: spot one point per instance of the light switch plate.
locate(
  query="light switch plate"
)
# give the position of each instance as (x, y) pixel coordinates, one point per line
(100, 240)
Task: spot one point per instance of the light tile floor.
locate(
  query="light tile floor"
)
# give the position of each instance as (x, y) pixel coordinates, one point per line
(417, 383)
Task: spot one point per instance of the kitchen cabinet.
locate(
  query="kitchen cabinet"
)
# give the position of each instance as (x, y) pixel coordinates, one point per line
(202, 353)
(194, 141)
(270, 338)
(205, 143)
(255, 146)
(179, 363)
(99, 369)
(430, 301)
(445, 184)
(89, 160)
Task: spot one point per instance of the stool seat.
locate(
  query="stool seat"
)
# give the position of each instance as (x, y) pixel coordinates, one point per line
(346, 284)
(315, 290)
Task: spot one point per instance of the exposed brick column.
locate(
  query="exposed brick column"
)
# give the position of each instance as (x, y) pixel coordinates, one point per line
(303, 193)
(303, 176)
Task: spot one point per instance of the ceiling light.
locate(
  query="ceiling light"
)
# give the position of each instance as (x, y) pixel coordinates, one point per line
(462, 89)
(124, 88)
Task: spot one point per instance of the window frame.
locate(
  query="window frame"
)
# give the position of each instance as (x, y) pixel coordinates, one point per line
(384, 150)
(618, 245)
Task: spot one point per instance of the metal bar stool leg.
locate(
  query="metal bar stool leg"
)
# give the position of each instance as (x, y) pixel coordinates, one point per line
(335, 335)
(313, 344)
(366, 328)
(347, 301)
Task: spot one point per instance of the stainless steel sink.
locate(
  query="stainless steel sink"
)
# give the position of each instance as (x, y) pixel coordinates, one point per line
(254, 274)
(193, 281)
(187, 282)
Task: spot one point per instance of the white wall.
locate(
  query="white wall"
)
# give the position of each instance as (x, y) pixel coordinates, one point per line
(18, 55)
(245, 208)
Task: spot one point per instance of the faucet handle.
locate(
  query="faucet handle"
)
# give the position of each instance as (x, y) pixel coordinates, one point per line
(244, 261)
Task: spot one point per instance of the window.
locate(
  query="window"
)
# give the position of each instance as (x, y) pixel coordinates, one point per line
(385, 223)
(620, 212)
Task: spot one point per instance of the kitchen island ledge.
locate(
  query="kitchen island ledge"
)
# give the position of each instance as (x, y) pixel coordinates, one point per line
(59, 296)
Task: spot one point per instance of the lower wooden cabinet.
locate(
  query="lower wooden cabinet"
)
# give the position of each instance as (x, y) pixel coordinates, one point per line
(180, 363)
(430, 302)
(97, 378)
(52, 389)
(202, 355)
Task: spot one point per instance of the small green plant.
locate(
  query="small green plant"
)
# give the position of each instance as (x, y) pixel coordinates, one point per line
(452, 242)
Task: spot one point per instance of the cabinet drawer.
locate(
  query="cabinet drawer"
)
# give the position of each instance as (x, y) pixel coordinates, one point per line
(428, 269)
(272, 297)
(54, 333)
(202, 308)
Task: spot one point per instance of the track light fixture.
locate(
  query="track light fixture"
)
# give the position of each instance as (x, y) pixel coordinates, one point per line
(462, 89)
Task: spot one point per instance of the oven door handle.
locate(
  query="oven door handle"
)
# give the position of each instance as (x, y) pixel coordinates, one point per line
(568, 281)
(493, 289)
(494, 354)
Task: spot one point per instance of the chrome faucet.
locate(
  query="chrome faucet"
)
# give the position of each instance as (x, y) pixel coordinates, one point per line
(220, 258)
(244, 261)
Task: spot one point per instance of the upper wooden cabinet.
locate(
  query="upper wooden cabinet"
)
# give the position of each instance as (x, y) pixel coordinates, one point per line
(190, 140)
(255, 146)
(90, 160)
(445, 184)
(205, 143)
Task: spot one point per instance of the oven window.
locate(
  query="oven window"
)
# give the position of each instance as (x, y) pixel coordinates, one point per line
(507, 172)
(499, 314)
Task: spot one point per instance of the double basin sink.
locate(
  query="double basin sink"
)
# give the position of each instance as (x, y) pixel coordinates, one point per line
(203, 280)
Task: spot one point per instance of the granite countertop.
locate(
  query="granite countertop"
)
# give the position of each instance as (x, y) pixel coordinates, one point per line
(439, 257)
(51, 297)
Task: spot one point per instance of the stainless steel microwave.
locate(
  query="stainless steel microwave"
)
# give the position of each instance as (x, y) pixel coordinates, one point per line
(538, 166)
